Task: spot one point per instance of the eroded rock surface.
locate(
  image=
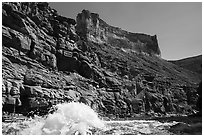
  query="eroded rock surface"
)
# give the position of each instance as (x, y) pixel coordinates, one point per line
(49, 59)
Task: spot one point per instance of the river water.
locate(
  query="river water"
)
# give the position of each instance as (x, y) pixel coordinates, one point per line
(80, 119)
(133, 127)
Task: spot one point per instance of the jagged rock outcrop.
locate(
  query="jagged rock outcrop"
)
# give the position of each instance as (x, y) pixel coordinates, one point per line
(49, 59)
(92, 28)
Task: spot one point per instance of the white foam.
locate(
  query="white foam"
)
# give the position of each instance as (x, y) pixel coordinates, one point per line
(69, 119)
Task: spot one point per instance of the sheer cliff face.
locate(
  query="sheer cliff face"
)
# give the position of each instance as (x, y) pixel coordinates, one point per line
(48, 58)
(88, 26)
(92, 28)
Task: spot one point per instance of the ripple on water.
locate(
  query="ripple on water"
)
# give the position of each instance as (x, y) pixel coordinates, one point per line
(135, 127)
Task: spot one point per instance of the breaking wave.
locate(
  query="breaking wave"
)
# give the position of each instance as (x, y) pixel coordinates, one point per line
(69, 119)
(79, 119)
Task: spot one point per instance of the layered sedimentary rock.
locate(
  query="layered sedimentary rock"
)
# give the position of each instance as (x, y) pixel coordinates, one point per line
(49, 59)
(92, 28)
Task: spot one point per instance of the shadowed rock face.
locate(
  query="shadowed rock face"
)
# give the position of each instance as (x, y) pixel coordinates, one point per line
(193, 64)
(199, 102)
(48, 59)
